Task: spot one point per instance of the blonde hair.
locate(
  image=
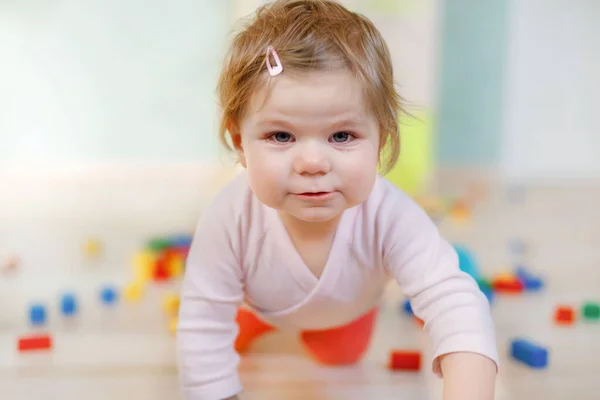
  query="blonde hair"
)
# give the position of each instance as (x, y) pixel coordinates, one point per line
(312, 35)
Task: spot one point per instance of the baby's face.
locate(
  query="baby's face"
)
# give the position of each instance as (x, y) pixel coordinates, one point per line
(311, 147)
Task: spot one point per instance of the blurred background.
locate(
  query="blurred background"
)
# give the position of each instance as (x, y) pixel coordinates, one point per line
(108, 139)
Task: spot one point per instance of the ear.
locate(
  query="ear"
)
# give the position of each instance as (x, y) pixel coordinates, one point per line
(236, 141)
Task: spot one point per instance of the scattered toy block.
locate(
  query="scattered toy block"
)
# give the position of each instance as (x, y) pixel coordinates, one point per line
(108, 295)
(419, 322)
(505, 285)
(181, 241)
(37, 314)
(158, 243)
(171, 304)
(564, 315)
(36, 342)
(467, 261)
(176, 267)
(529, 353)
(68, 304)
(530, 282)
(407, 307)
(488, 291)
(134, 291)
(591, 311)
(143, 264)
(161, 270)
(173, 325)
(401, 360)
(92, 248)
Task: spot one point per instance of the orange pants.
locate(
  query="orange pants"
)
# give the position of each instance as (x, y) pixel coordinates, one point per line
(337, 346)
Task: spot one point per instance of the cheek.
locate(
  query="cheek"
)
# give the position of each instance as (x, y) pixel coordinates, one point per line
(265, 174)
(359, 171)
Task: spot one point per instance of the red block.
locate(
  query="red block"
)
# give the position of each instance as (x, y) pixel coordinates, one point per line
(508, 286)
(405, 360)
(420, 322)
(37, 342)
(564, 315)
(161, 270)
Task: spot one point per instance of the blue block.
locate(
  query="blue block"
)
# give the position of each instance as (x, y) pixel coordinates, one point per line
(530, 282)
(407, 307)
(108, 295)
(181, 240)
(489, 293)
(529, 353)
(37, 314)
(467, 262)
(68, 304)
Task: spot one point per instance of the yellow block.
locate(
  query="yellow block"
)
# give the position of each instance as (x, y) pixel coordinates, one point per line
(176, 266)
(173, 325)
(92, 248)
(171, 304)
(143, 265)
(134, 291)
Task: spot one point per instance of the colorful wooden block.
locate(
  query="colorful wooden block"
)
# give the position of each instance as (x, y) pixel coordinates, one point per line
(401, 360)
(37, 314)
(92, 247)
(143, 264)
(407, 307)
(529, 353)
(108, 295)
(504, 285)
(171, 304)
(161, 270)
(36, 342)
(173, 325)
(530, 281)
(158, 243)
(134, 291)
(591, 311)
(564, 315)
(68, 304)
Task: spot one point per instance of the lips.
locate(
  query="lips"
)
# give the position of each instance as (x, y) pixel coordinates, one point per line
(315, 195)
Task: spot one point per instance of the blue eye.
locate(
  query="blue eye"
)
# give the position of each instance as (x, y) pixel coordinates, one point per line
(341, 137)
(282, 137)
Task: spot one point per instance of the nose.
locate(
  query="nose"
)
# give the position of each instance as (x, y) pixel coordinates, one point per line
(312, 159)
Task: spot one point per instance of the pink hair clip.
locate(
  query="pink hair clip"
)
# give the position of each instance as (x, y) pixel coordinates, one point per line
(276, 69)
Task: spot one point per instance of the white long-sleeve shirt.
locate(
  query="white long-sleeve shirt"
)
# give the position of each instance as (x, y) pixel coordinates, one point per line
(242, 254)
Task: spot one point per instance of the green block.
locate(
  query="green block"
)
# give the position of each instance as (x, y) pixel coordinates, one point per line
(591, 311)
(484, 283)
(158, 244)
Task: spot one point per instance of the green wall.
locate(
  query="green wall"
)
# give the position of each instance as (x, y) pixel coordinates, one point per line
(472, 69)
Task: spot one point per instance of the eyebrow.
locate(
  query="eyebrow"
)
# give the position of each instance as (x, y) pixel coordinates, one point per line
(342, 121)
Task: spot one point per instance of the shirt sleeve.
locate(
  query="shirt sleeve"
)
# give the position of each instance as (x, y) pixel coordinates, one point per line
(456, 313)
(211, 293)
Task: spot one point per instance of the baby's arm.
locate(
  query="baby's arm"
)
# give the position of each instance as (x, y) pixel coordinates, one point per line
(456, 313)
(210, 297)
(468, 376)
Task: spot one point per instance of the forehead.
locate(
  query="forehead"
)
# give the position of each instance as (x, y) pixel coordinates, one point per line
(316, 96)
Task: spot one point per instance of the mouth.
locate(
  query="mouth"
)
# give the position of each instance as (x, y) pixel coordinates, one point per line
(315, 195)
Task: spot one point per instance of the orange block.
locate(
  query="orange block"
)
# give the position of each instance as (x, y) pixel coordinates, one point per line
(564, 315)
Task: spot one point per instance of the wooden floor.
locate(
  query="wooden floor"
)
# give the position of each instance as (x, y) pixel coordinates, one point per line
(128, 353)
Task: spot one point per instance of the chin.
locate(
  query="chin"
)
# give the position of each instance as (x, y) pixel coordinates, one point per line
(316, 214)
